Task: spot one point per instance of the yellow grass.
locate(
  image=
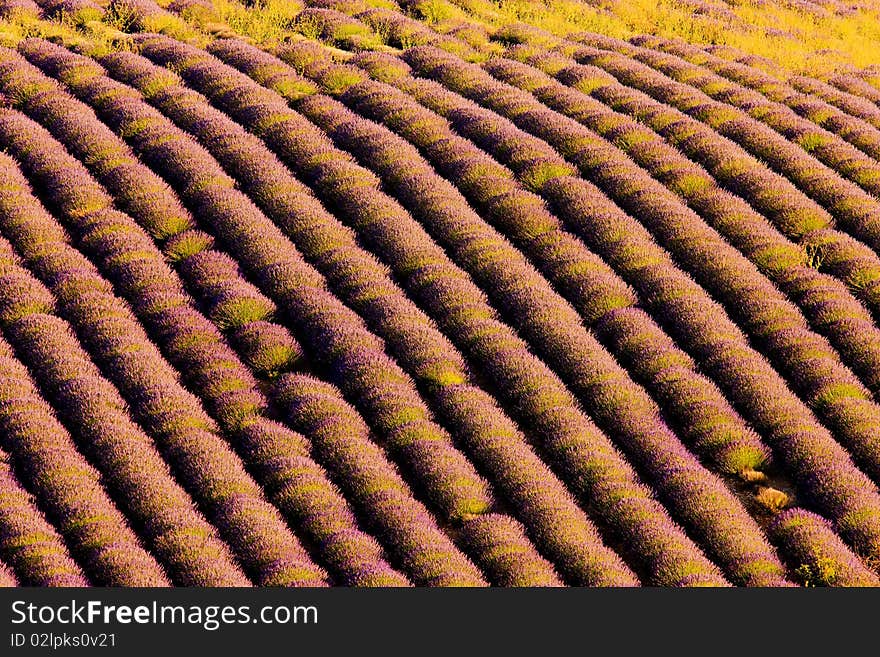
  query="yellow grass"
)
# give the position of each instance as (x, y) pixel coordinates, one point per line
(772, 499)
(798, 40)
(793, 38)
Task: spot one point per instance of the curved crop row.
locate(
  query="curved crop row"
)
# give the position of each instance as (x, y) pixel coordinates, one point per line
(793, 214)
(400, 31)
(349, 350)
(708, 422)
(356, 558)
(600, 297)
(824, 300)
(230, 301)
(354, 464)
(335, 28)
(503, 542)
(852, 105)
(853, 209)
(343, 438)
(173, 416)
(187, 545)
(225, 383)
(527, 111)
(812, 366)
(66, 486)
(491, 188)
(298, 143)
(296, 483)
(854, 85)
(800, 443)
(319, 510)
(830, 149)
(508, 366)
(766, 400)
(27, 541)
(808, 107)
(365, 284)
(268, 348)
(148, 199)
(257, 290)
(818, 557)
(797, 216)
(551, 325)
(621, 408)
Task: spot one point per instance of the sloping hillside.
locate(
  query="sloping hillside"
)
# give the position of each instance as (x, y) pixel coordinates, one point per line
(366, 294)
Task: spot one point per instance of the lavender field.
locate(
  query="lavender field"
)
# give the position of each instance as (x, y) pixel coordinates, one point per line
(375, 293)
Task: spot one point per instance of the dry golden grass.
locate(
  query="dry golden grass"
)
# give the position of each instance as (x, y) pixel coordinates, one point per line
(796, 39)
(753, 476)
(772, 499)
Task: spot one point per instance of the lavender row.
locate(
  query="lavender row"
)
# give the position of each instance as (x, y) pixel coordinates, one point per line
(297, 142)
(798, 217)
(27, 541)
(197, 348)
(507, 550)
(365, 284)
(335, 28)
(64, 484)
(343, 438)
(88, 302)
(517, 287)
(400, 31)
(855, 86)
(268, 348)
(604, 300)
(855, 106)
(811, 364)
(230, 301)
(173, 416)
(295, 482)
(235, 215)
(822, 247)
(621, 408)
(818, 375)
(147, 198)
(784, 338)
(753, 89)
(320, 509)
(827, 303)
(89, 404)
(826, 147)
(855, 210)
(212, 194)
(800, 443)
(210, 127)
(711, 336)
(818, 557)
(514, 371)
